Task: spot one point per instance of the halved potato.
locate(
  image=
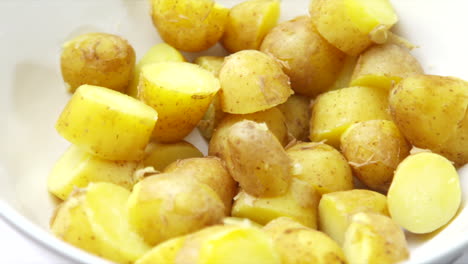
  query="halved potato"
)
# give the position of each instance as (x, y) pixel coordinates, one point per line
(164, 253)
(160, 155)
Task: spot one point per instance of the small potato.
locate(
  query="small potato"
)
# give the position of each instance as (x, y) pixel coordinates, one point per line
(240, 221)
(374, 149)
(310, 61)
(336, 209)
(97, 59)
(106, 123)
(425, 193)
(164, 253)
(160, 155)
(210, 63)
(248, 23)
(296, 112)
(189, 25)
(322, 166)
(252, 81)
(344, 77)
(180, 102)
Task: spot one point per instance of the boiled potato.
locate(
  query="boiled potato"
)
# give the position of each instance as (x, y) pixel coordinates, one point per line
(336, 209)
(344, 77)
(310, 61)
(383, 66)
(189, 25)
(165, 206)
(333, 112)
(95, 220)
(248, 23)
(77, 168)
(298, 244)
(252, 81)
(240, 221)
(107, 123)
(353, 25)
(164, 253)
(431, 112)
(97, 59)
(374, 238)
(180, 102)
(425, 193)
(160, 155)
(299, 203)
(374, 149)
(296, 112)
(210, 63)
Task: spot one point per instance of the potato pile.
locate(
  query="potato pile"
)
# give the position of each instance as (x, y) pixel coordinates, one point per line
(310, 125)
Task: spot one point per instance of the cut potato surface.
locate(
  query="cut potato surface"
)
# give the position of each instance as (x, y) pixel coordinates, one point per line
(160, 155)
(164, 253)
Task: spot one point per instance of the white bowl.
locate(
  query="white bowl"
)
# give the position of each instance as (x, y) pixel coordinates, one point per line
(32, 95)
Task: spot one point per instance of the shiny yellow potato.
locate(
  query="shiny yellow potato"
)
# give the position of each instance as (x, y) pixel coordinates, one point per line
(164, 253)
(431, 112)
(252, 81)
(310, 61)
(296, 112)
(336, 209)
(240, 221)
(374, 238)
(374, 149)
(95, 220)
(189, 25)
(107, 123)
(333, 112)
(97, 59)
(321, 166)
(180, 102)
(77, 168)
(344, 77)
(353, 25)
(160, 155)
(248, 23)
(425, 193)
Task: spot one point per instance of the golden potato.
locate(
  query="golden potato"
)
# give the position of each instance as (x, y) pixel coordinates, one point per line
(425, 193)
(310, 61)
(296, 112)
(180, 102)
(160, 155)
(344, 77)
(210, 63)
(248, 23)
(189, 25)
(97, 59)
(252, 81)
(240, 221)
(106, 123)
(164, 253)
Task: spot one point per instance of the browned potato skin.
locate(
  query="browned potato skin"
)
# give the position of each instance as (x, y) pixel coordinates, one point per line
(296, 111)
(311, 63)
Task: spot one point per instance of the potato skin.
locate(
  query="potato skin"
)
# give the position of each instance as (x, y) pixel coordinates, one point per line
(296, 111)
(160, 155)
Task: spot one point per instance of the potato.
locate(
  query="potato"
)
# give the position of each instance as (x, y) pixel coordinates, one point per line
(77, 168)
(321, 166)
(165, 206)
(95, 220)
(298, 244)
(431, 112)
(336, 209)
(161, 52)
(374, 149)
(344, 77)
(252, 81)
(310, 61)
(160, 155)
(299, 203)
(248, 23)
(240, 221)
(256, 159)
(383, 66)
(189, 25)
(353, 25)
(180, 102)
(425, 193)
(97, 59)
(333, 112)
(296, 112)
(210, 63)
(164, 253)
(107, 123)
(374, 238)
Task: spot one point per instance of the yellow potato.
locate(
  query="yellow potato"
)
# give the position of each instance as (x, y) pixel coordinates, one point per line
(180, 102)
(189, 25)
(310, 61)
(77, 168)
(425, 193)
(240, 221)
(336, 209)
(107, 123)
(160, 155)
(248, 23)
(296, 112)
(97, 59)
(95, 220)
(374, 149)
(252, 81)
(164, 253)
(344, 77)
(321, 166)
(210, 63)
(353, 25)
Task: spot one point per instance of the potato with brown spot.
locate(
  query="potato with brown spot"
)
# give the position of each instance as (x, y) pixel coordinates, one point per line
(296, 111)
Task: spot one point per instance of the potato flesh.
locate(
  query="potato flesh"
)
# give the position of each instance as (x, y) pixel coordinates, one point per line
(107, 123)
(425, 193)
(344, 77)
(164, 253)
(296, 112)
(160, 155)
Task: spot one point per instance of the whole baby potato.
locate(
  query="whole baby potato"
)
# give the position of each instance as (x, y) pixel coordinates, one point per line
(97, 59)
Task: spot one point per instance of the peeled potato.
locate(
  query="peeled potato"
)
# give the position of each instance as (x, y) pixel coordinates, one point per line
(296, 112)
(160, 155)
